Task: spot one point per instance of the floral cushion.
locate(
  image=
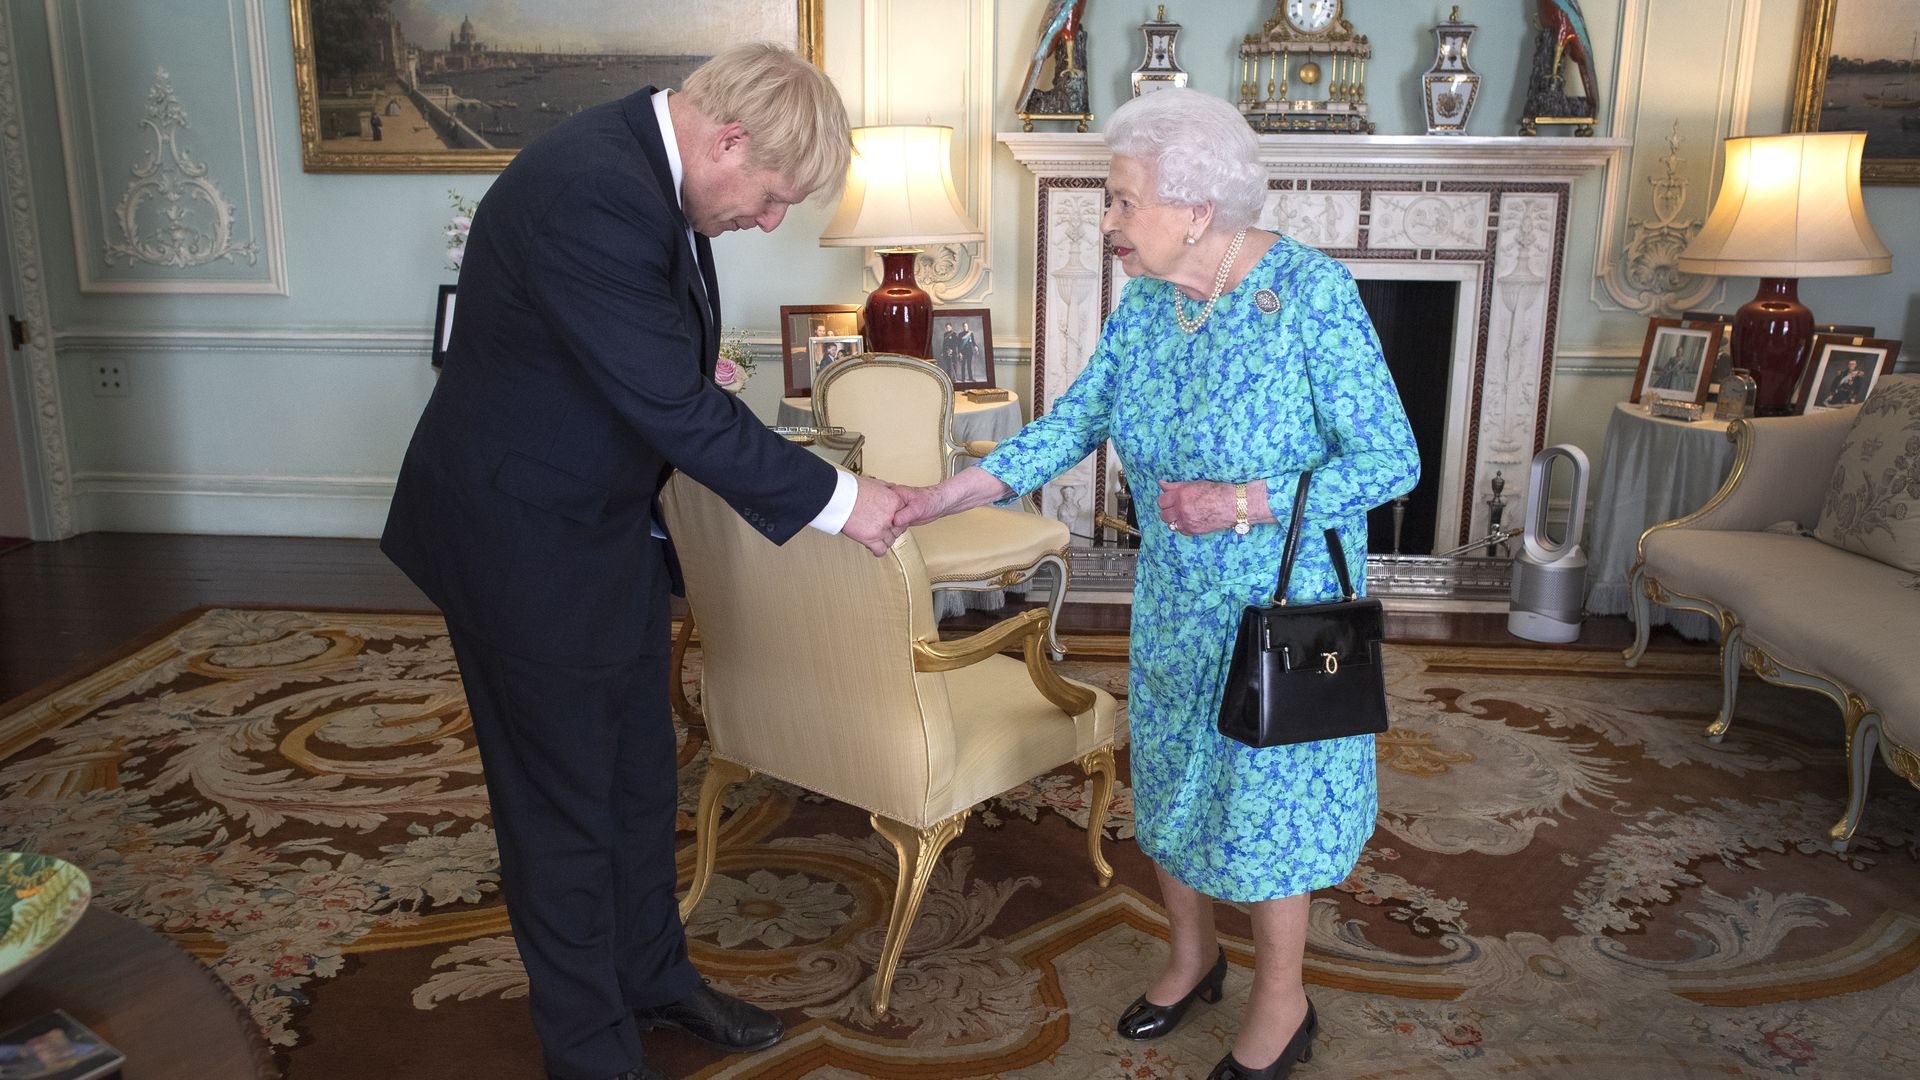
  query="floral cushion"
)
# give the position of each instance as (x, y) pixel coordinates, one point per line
(1873, 504)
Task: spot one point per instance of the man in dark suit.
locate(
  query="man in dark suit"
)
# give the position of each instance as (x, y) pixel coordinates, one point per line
(578, 377)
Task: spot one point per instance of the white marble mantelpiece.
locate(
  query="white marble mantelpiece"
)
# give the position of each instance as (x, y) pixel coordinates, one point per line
(1487, 213)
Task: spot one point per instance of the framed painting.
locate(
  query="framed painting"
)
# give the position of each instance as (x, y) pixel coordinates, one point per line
(963, 346)
(812, 335)
(422, 86)
(1676, 361)
(1860, 71)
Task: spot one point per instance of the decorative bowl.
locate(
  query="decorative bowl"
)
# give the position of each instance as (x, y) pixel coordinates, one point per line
(41, 898)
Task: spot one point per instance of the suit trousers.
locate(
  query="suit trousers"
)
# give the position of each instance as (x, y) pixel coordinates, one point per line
(580, 767)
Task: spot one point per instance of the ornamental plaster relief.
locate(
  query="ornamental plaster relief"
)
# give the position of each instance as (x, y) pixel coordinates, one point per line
(1421, 221)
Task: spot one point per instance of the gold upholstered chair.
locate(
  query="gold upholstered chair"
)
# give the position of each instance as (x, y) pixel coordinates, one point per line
(821, 666)
(904, 408)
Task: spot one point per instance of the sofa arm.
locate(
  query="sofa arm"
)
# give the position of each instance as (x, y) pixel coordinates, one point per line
(1782, 468)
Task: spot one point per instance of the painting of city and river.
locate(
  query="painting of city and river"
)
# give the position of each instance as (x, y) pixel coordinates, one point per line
(424, 86)
(1860, 71)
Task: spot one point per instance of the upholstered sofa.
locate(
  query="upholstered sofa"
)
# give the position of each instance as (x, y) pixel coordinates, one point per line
(1809, 558)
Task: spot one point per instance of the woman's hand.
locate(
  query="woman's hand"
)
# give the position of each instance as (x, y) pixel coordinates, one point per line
(964, 490)
(1199, 507)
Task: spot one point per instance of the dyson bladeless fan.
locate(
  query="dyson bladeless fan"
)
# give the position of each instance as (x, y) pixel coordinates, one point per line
(1549, 579)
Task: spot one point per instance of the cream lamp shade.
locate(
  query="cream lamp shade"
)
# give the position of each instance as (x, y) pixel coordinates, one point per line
(899, 195)
(899, 191)
(1789, 206)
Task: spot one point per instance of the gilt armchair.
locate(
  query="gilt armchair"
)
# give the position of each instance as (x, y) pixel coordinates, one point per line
(822, 667)
(904, 407)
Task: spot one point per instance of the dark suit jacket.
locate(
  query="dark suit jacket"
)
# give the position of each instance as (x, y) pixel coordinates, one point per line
(577, 378)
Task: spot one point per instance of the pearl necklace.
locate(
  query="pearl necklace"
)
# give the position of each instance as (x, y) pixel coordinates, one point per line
(1219, 283)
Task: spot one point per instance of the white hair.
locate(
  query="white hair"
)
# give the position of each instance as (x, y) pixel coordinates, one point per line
(1200, 150)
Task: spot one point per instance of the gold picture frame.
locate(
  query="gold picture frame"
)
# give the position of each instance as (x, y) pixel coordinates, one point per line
(1819, 104)
(423, 125)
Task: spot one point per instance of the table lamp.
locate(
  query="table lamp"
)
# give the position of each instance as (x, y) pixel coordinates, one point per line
(1789, 207)
(899, 196)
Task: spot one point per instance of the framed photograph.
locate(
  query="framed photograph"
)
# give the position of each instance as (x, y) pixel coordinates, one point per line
(800, 326)
(1843, 371)
(1676, 361)
(442, 325)
(963, 346)
(822, 351)
(421, 86)
(1860, 71)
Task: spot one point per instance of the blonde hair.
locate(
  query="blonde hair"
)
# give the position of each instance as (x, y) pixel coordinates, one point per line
(795, 121)
(1201, 151)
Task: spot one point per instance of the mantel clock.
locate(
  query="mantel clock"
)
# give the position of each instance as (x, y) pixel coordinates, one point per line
(1306, 70)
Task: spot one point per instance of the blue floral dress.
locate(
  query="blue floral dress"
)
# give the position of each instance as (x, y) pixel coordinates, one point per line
(1250, 396)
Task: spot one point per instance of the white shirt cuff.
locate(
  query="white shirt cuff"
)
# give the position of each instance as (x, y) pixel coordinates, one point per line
(834, 516)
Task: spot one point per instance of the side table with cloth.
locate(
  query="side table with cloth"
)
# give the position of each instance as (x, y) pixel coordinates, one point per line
(1652, 469)
(973, 421)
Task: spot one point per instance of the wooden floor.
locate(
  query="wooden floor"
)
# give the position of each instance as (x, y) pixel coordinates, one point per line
(66, 606)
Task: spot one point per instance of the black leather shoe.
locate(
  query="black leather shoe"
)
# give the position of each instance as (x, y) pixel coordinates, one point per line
(720, 1019)
(1145, 1020)
(1299, 1048)
(642, 1071)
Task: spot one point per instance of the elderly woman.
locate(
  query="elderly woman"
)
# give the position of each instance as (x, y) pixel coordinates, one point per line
(1235, 360)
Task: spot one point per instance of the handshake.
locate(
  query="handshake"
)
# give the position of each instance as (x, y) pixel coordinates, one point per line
(882, 511)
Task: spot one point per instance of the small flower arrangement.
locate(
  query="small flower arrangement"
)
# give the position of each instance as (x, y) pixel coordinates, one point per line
(735, 364)
(457, 231)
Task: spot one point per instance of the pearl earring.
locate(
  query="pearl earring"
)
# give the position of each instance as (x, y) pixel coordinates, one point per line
(1189, 241)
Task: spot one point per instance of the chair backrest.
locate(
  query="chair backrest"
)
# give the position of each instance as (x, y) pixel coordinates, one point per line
(807, 657)
(904, 407)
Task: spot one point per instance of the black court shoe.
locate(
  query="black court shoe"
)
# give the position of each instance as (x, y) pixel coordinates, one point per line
(1145, 1020)
(1299, 1048)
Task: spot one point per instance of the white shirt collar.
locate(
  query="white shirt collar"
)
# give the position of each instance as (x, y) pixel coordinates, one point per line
(665, 116)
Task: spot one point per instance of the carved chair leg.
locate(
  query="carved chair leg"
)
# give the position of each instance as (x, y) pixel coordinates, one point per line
(1732, 652)
(1054, 604)
(918, 849)
(1639, 611)
(676, 689)
(721, 775)
(1863, 737)
(1099, 768)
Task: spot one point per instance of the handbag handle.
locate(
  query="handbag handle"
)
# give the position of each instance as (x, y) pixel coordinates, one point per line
(1292, 547)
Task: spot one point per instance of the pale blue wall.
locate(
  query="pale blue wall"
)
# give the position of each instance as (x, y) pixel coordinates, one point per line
(289, 413)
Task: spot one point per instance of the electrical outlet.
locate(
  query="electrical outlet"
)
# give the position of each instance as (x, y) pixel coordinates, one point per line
(109, 379)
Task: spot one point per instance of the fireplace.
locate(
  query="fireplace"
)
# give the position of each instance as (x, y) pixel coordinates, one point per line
(1466, 233)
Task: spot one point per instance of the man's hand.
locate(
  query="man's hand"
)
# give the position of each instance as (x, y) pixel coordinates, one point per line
(918, 505)
(872, 520)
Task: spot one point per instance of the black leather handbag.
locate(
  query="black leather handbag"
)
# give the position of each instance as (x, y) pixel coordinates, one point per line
(1306, 672)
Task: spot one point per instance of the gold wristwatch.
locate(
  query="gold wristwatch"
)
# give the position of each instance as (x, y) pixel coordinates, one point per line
(1241, 524)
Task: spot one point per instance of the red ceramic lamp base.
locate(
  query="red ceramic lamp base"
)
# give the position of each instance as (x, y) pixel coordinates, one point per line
(1772, 334)
(899, 312)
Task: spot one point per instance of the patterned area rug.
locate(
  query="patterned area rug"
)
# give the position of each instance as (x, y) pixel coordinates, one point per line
(1568, 880)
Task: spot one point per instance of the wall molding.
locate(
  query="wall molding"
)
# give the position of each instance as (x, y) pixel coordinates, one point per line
(49, 481)
(1634, 256)
(167, 170)
(951, 273)
(244, 505)
(406, 341)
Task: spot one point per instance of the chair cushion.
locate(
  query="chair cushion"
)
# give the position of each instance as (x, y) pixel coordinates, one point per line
(985, 542)
(1873, 503)
(1003, 726)
(1810, 606)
